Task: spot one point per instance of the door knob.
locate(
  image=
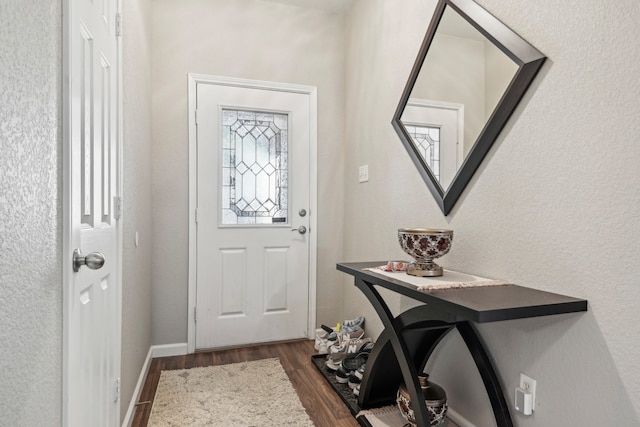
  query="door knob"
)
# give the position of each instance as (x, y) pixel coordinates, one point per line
(302, 229)
(94, 260)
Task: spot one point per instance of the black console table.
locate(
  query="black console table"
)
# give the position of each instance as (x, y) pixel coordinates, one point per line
(403, 348)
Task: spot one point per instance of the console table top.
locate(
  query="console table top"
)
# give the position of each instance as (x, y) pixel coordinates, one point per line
(476, 304)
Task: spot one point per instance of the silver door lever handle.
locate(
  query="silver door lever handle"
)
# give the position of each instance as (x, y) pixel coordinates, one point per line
(302, 229)
(94, 260)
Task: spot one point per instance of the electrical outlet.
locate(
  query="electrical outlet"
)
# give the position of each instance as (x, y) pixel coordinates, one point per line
(528, 384)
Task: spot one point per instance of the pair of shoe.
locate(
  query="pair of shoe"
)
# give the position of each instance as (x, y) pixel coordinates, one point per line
(355, 379)
(352, 368)
(325, 343)
(327, 337)
(351, 352)
(337, 344)
(348, 326)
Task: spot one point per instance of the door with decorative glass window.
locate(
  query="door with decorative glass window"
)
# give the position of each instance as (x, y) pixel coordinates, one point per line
(252, 225)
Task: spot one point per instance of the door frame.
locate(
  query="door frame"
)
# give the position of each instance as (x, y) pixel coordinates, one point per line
(69, 238)
(312, 92)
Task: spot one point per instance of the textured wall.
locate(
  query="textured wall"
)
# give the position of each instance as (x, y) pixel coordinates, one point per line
(30, 213)
(246, 39)
(136, 268)
(555, 205)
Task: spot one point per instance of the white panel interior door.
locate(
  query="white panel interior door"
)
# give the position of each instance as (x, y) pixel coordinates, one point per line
(253, 183)
(449, 120)
(92, 295)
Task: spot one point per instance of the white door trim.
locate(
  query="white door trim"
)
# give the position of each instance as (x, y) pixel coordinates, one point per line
(312, 91)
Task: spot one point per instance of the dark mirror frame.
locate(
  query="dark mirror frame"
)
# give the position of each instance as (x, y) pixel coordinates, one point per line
(529, 61)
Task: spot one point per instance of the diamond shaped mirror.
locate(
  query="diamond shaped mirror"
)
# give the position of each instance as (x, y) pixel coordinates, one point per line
(469, 76)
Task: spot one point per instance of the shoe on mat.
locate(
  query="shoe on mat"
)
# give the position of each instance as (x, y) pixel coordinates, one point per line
(348, 326)
(333, 332)
(351, 325)
(342, 375)
(327, 329)
(350, 347)
(353, 362)
(355, 378)
(341, 337)
(356, 390)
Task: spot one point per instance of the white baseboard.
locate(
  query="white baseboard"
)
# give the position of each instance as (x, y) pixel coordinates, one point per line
(154, 351)
(459, 419)
(167, 350)
(128, 418)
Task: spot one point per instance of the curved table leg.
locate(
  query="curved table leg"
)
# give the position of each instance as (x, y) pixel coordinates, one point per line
(409, 371)
(403, 349)
(421, 337)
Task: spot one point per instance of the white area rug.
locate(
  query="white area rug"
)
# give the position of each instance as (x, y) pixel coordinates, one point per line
(256, 393)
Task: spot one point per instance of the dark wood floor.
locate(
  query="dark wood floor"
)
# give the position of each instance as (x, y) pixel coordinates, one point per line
(323, 406)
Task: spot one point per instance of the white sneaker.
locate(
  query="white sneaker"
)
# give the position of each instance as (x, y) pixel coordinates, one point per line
(321, 337)
(351, 325)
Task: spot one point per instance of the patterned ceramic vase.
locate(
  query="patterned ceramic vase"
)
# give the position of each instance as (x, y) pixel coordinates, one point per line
(434, 396)
(424, 245)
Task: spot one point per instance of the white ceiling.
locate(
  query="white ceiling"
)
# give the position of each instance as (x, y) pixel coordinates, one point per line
(328, 5)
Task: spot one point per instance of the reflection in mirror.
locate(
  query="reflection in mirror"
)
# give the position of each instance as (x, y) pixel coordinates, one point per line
(469, 75)
(461, 67)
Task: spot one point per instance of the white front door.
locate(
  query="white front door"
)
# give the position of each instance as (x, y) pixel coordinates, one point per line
(92, 294)
(253, 210)
(436, 129)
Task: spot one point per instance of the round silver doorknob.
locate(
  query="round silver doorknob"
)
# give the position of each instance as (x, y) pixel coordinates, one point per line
(94, 260)
(302, 229)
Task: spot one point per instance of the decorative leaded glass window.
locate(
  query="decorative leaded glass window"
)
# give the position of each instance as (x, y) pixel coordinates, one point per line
(254, 167)
(427, 141)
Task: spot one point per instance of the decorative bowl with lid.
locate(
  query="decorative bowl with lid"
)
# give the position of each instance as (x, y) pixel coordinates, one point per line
(424, 245)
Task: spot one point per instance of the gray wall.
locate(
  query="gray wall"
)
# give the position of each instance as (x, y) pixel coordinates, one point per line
(136, 266)
(247, 39)
(555, 205)
(30, 213)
